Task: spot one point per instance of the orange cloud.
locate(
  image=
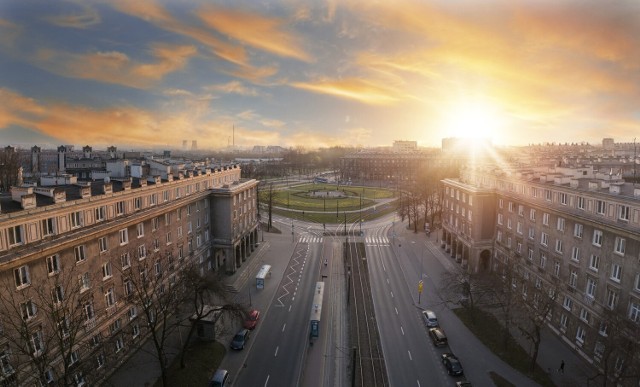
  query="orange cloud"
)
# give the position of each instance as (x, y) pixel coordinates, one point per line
(87, 17)
(116, 67)
(261, 32)
(361, 90)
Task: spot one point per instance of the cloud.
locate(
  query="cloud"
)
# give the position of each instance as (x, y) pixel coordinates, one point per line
(234, 87)
(271, 123)
(9, 32)
(117, 67)
(258, 31)
(360, 90)
(86, 17)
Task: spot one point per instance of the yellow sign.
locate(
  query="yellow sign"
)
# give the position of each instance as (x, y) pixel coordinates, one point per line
(420, 283)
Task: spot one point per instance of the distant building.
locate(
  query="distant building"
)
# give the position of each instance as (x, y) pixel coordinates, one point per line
(608, 144)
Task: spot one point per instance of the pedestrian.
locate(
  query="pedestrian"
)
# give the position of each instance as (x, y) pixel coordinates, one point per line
(561, 369)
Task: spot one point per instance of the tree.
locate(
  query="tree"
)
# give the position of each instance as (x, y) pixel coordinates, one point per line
(464, 288)
(153, 285)
(266, 194)
(618, 349)
(44, 325)
(535, 306)
(201, 292)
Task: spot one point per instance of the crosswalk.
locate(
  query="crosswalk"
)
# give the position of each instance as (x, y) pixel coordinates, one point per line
(310, 239)
(377, 241)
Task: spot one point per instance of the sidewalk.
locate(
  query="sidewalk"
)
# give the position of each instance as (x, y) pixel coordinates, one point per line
(553, 348)
(141, 367)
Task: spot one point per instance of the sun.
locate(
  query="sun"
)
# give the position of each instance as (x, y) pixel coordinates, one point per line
(471, 119)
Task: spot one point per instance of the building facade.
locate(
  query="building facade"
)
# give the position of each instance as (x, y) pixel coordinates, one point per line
(75, 241)
(568, 226)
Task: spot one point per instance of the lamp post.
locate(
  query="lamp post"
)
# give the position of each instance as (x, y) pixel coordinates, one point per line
(360, 214)
(291, 230)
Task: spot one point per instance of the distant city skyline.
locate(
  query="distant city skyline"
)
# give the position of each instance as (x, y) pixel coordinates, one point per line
(152, 74)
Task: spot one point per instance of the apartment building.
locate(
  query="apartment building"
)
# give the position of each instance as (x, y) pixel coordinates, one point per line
(570, 226)
(66, 245)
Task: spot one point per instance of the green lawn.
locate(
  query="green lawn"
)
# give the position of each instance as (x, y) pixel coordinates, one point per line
(483, 325)
(299, 197)
(203, 358)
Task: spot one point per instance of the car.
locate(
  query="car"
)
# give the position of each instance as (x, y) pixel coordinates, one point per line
(252, 319)
(452, 364)
(438, 337)
(219, 378)
(463, 383)
(240, 339)
(429, 318)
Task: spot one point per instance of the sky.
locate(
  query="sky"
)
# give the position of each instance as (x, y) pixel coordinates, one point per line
(152, 73)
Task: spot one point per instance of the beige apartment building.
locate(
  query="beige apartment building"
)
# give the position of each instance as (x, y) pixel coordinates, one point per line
(572, 226)
(76, 240)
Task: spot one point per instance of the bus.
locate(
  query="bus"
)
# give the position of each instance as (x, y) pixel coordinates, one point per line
(265, 271)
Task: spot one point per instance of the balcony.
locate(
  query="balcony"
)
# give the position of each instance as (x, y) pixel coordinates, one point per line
(589, 300)
(112, 309)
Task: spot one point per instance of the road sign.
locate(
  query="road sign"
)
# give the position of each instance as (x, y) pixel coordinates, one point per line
(420, 285)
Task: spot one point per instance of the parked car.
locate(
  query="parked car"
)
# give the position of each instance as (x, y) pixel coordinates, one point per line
(252, 319)
(429, 318)
(240, 339)
(219, 378)
(463, 383)
(438, 337)
(452, 364)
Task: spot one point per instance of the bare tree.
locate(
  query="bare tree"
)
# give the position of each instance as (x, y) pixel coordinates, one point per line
(158, 290)
(502, 284)
(201, 292)
(464, 288)
(618, 349)
(535, 306)
(44, 323)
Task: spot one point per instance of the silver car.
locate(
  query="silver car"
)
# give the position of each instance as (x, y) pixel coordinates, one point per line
(429, 318)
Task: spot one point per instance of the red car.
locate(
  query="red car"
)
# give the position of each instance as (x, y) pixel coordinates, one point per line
(252, 319)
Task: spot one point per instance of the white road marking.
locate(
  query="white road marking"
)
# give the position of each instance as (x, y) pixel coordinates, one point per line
(391, 294)
(266, 381)
(283, 327)
(401, 330)
(276, 354)
(396, 310)
(409, 352)
(289, 308)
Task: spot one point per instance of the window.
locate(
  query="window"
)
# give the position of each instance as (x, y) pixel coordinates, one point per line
(578, 230)
(47, 227)
(37, 344)
(573, 278)
(5, 363)
(556, 268)
(58, 294)
(125, 258)
(600, 207)
(128, 288)
(73, 357)
(100, 360)
(597, 238)
(28, 310)
(636, 284)
(15, 235)
(563, 198)
(119, 344)
(532, 233)
(591, 288)
(155, 223)
(520, 210)
(189, 228)
(575, 254)
(169, 238)
(560, 224)
(543, 260)
(510, 206)
(509, 226)
(53, 264)
(153, 199)
(545, 219)
(544, 239)
(132, 312)
(120, 207)
(80, 254)
(580, 335)
(135, 330)
(89, 312)
(564, 322)
(137, 203)
(165, 196)
(594, 262)
(634, 311)
(603, 331)
(500, 202)
(167, 219)
(102, 242)
(85, 282)
(76, 219)
(581, 203)
(140, 229)
(620, 246)
(530, 254)
(142, 252)
(109, 297)
(115, 326)
(612, 298)
(124, 237)
(623, 212)
(567, 303)
(585, 315)
(179, 231)
(158, 268)
(532, 215)
(78, 378)
(99, 213)
(106, 271)
(616, 272)
(559, 247)
(22, 277)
